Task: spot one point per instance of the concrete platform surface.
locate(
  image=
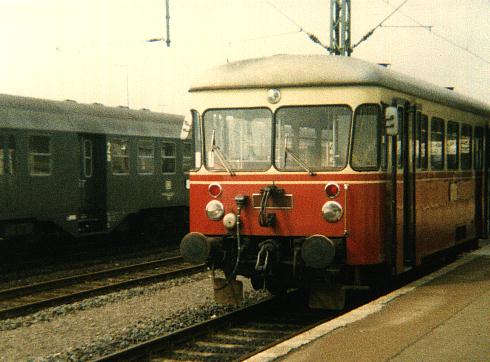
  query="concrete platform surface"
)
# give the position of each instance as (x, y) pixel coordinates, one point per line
(444, 316)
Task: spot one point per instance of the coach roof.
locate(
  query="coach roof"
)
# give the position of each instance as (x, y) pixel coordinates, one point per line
(327, 70)
(70, 116)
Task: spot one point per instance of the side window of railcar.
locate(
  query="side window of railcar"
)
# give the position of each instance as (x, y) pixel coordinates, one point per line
(118, 155)
(478, 148)
(146, 157)
(452, 148)
(40, 155)
(196, 134)
(384, 149)
(399, 138)
(421, 144)
(168, 157)
(437, 144)
(186, 156)
(465, 146)
(365, 142)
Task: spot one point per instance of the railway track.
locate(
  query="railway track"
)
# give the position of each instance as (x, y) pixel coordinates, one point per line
(31, 298)
(232, 337)
(88, 253)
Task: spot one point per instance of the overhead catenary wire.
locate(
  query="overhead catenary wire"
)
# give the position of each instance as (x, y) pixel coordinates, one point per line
(380, 24)
(447, 40)
(265, 36)
(310, 36)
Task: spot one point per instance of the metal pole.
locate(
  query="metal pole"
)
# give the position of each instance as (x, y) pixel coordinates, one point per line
(168, 22)
(340, 19)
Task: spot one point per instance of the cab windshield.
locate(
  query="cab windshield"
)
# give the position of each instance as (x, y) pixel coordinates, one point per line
(238, 139)
(307, 138)
(314, 137)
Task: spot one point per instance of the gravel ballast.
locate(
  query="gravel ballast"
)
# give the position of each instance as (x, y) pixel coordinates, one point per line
(101, 325)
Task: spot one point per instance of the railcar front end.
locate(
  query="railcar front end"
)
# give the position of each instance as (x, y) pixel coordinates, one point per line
(275, 199)
(313, 172)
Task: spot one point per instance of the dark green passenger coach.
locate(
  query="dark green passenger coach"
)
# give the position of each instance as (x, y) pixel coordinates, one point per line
(84, 169)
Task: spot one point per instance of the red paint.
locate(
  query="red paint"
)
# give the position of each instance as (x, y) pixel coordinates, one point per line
(366, 217)
(364, 213)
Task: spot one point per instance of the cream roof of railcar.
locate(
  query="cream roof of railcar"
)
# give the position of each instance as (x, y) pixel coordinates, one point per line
(327, 70)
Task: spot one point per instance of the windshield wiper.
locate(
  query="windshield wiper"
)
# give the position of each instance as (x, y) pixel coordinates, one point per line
(219, 153)
(287, 152)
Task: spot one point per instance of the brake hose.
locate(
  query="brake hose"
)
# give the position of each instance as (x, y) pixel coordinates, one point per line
(263, 204)
(233, 273)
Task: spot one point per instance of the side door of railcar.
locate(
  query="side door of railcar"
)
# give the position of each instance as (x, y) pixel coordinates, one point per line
(403, 176)
(482, 187)
(481, 169)
(92, 181)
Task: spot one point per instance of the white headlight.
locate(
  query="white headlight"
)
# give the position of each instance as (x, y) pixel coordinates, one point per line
(215, 210)
(332, 211)
(273, 95)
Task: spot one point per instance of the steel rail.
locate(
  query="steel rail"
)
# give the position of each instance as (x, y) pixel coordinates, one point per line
(69, 288)
(232, 336)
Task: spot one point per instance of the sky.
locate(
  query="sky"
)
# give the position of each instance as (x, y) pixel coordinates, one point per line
(96, 50)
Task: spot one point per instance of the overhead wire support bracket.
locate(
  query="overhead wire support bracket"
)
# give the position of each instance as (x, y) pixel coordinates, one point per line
(428, 27)
(167, 20)
(310, 36)
(370, 32)
(446, 39)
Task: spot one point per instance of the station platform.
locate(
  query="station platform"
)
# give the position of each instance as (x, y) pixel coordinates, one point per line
(444, 316)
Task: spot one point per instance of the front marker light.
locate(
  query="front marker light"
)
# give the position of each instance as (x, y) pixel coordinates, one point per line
(332, 211)
(215, 210)
(229, 221)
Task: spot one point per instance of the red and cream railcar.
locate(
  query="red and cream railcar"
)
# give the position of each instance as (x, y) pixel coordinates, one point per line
(321, 171)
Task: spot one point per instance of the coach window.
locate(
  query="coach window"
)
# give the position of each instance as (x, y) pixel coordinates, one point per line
(478, 148)
(119, 156)
(7, 156)
(87, 158)
(421, 144)
(11, 154)
(437, 144)
(3, 157)
(452, 148)
(187, 156)
(465, 145)
(146, 157)
(168, 157)
(365, 141)
(40, 155)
